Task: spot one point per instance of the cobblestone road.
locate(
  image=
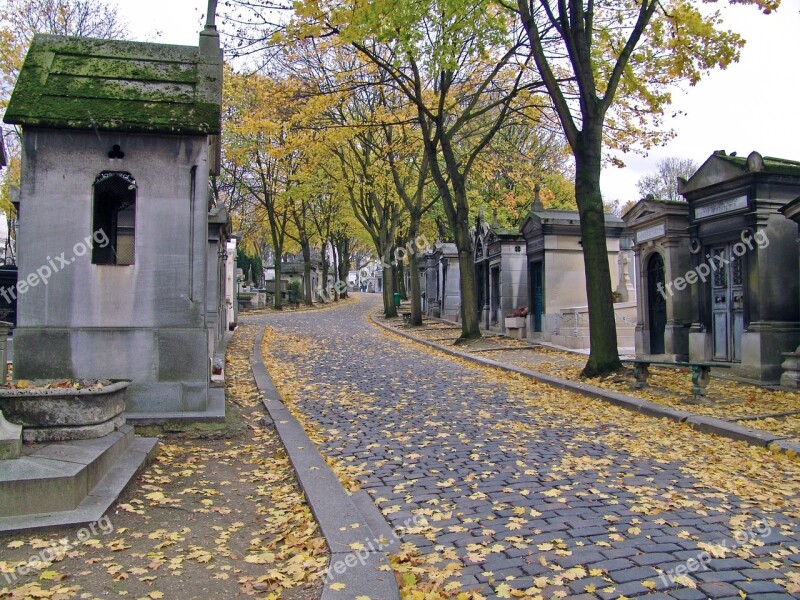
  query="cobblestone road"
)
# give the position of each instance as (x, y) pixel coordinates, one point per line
(527, 487)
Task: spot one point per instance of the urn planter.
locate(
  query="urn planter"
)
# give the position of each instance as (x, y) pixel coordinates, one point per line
(50, 414)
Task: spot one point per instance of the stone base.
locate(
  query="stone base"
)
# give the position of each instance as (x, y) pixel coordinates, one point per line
(517, 332)
(10, 439)
(69, 482)
(700, 345)
(212, 411)
(60, 434)
(763, 345)
(763, 348)
(791, 370)
(169, 366)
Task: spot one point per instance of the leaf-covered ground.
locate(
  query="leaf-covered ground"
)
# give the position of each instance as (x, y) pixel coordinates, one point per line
(522, 490)
(211, 517)
(730, 400)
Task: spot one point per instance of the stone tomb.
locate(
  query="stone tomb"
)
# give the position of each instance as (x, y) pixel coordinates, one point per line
(557, 279)
(115, 259)
(501, 273)
(744, 263)
(791, 365)
(661, 248)
(443, 282)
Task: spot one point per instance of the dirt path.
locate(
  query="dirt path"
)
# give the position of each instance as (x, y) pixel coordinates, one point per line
(218, 514)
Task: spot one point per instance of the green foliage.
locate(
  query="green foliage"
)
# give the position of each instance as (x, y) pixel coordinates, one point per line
(249, 264)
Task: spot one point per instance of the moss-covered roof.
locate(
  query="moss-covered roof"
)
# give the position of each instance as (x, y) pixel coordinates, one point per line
(506, 231)
(85, 83)
(779, 166)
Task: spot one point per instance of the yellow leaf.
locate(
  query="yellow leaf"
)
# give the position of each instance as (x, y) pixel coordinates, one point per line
(338, 587)
(15, 544)
(51, 575)
(545, 547)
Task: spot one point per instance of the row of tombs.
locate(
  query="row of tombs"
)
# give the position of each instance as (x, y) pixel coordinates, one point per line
(710, 279)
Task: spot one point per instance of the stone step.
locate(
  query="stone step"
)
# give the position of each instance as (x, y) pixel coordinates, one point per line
(58, 476)
(97, 501)
(214, 412)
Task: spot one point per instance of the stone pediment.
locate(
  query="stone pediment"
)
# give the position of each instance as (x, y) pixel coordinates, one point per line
(646, 211)
(721, 167)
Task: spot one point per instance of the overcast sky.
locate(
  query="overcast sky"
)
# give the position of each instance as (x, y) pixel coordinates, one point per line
(753, 105)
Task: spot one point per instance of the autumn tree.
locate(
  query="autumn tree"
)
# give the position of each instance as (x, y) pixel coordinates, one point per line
(261, 156)
(463, 69)
(525, 154)
(663, 183)
(463, 82)
(608, 68)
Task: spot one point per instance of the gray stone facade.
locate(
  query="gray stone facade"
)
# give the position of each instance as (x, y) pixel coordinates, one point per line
(144, 300)
(661, 247)
(442, 281)
(501, 273)
(746, 311)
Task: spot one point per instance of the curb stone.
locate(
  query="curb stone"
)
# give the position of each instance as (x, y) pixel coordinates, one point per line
(720, 427)
(344, 520)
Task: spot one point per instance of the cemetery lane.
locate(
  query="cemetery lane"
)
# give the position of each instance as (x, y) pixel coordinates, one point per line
(518, 486)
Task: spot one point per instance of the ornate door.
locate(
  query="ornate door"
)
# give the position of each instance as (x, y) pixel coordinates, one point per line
(657, 303)
(537, 294)
(727, 304)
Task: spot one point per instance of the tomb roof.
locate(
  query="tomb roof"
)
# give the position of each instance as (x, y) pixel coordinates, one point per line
(85, 83)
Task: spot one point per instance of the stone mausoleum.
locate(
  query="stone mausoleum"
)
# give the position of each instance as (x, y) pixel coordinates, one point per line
(660, 232)
(501, 273)
(117, 272)
(557, 281)
(747, 312)
(718, 274)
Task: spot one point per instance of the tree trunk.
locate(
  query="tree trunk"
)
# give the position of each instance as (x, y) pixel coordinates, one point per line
(603, 354)
(416, 292)
(278, 301)
(389, 309)
(324, 295)
(308, 299)
(344, 264)
(470, 324)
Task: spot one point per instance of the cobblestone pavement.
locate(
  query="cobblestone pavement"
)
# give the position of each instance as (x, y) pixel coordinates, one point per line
(529, 488)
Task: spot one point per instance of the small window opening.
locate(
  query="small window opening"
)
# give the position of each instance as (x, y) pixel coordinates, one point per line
(114, 219)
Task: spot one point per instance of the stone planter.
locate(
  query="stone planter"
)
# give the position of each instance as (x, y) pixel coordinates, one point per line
(515, 322)
(60, 414)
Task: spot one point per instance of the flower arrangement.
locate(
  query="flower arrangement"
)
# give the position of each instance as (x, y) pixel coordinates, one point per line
(522, 311)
